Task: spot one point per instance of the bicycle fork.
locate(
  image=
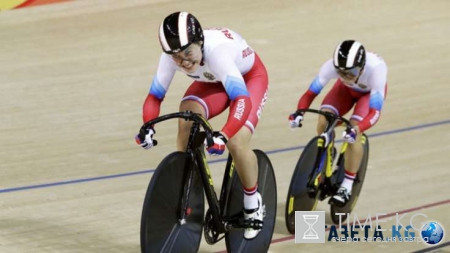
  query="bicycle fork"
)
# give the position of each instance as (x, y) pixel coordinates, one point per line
(324, 161)
(188, 180)
(189, 173)
(322, 164)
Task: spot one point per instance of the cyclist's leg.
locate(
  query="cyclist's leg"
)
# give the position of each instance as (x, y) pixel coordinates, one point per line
(239, 145)
(208, 99)
(353, 156)
(355, 150)
(244, 158)
(340, 101)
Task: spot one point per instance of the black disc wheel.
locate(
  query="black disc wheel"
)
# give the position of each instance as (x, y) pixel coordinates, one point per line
(298, 198)
(161, 227)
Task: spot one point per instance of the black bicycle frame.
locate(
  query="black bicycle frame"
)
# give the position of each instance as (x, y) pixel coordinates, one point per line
(197, 163)
(332, 121)
(217, 207)
(189, 169)
(226, 185)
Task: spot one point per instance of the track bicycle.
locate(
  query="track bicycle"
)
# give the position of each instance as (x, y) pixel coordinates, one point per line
(314, 179)
(173, 214)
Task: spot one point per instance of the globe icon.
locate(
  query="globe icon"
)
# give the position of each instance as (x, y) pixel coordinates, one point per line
(432, 233)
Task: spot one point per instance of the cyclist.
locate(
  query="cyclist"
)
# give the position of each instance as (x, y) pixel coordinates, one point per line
(361, 82)
(227, 73)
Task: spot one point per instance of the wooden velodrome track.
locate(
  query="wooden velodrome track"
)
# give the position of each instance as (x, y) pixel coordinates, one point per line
(74, 75)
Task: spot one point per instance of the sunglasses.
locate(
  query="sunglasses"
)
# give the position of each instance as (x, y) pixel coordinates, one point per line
(348, 73)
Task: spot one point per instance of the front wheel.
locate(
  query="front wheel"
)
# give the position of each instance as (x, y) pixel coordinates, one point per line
(161, 229)
(298, 198)
(268, 189)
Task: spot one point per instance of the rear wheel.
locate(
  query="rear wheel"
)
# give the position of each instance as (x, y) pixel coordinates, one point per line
(298, 198)
(356, 188)
(161, 230)
(268, 189)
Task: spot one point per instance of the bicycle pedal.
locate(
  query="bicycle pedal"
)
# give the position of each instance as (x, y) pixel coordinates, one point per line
(336, 203)
(254, 224)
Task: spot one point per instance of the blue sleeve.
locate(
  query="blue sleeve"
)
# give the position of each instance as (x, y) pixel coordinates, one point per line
(376, 101)
(157, 89)
(316, 87)
(235, 87)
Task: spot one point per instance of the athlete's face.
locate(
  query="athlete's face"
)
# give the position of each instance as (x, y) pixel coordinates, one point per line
(349, 75)
(190, 58)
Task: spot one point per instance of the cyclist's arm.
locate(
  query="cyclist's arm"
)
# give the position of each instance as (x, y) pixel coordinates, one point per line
(222, 64)
(160, 85)
(378, 79)
(326, 73)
